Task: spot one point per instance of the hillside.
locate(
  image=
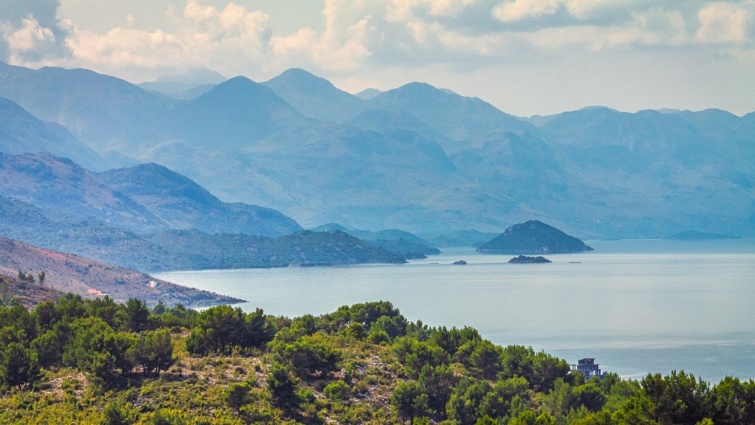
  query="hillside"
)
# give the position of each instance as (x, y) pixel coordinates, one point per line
(183, 204)
(89, 279)
(364, 363)
(25, 290)
(533, 237)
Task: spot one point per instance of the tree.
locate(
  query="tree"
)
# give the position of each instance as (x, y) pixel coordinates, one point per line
(309, 356)
(409, 400)
(237, 395)
(678, 397)
(486, 359)
(41, 277)
(219, 329)
(336, 390)
(282, 385)
(137, 315)
(591, 396)
(18, 366)
(153, 351)
(91, 347)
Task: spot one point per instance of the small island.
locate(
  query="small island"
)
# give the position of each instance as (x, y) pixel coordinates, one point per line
(533, 238)
(523, 259)
(460, 263)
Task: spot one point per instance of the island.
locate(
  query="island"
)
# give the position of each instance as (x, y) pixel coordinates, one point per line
(532, 238)
(523, 259)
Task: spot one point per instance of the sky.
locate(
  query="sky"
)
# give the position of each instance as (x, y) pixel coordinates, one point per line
(525, 57)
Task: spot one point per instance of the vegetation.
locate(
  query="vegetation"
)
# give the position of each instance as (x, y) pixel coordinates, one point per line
(96, 361)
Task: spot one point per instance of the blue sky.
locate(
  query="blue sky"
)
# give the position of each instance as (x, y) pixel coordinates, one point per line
(524, 56)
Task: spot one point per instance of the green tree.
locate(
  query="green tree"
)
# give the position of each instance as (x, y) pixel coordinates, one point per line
(678, 397)
(18, 366)
(591, 396)
(91, 347)
(136, 315)
(153, 352)
(237, 395)
(409, 400)
(282, 386)
(486, 360)
(310, 356)
(336, 390)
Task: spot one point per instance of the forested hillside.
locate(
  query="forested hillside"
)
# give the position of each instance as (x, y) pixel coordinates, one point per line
(95, 361)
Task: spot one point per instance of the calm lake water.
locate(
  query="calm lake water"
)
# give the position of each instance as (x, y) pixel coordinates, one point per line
(637, 306)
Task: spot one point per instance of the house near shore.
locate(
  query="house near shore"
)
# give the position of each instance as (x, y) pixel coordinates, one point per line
(588, 367)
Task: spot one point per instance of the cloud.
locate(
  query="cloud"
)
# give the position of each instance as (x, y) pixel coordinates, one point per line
(723, 22)
(520, 9)
(367, 36)
(30, 31)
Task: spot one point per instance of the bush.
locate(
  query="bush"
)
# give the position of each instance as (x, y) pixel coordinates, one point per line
(337, 390)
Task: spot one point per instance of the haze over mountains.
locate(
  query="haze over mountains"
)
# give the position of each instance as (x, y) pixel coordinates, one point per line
(416, 158)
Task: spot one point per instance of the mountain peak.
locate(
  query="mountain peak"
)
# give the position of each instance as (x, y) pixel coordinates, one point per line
(314, 96)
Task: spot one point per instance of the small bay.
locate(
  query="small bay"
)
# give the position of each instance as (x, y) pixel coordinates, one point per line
(637, 306)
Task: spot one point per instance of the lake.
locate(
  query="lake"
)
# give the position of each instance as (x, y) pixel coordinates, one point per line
(637, 306)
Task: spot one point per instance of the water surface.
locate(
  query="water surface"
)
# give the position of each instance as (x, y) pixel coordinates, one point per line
(636, 306)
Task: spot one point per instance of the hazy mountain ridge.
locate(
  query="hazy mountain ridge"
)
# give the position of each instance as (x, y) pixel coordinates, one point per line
(184, 204)
(22, 132)
(422, 158)
(98, 215)
(305, 248)
(410, 246)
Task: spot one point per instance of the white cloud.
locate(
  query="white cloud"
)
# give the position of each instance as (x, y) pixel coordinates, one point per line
(28, 40)
(521, 9)
(723, 22)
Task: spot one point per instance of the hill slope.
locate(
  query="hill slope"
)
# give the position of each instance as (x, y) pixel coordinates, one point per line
(71, 273)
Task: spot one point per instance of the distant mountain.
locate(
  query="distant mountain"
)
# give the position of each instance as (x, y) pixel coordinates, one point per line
(233, 115)
(103, 112)
(471, 238)
(404, 243)
(71, 273)
(692, 235)
(184, 204)
(181, 84)
(368, 94)
(64, 189)
(299, 249)
(315, 97)
(462, 119)
(417, 157)
(21, 132)
(533, 237)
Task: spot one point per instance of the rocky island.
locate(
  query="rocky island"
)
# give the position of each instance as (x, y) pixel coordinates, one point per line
(523, 259)
(532, 238)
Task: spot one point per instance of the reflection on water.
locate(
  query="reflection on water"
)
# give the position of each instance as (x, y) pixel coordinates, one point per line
(637, 306)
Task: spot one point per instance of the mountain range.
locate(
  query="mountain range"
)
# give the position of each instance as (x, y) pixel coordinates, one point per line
(150, 218)
(416, 157)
